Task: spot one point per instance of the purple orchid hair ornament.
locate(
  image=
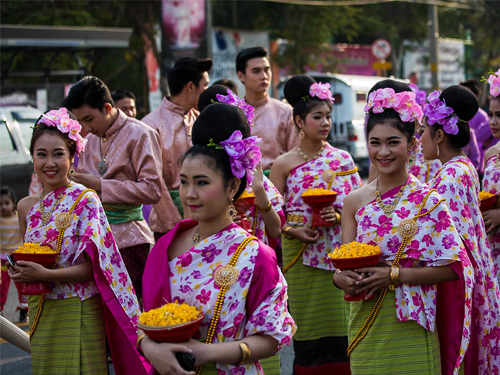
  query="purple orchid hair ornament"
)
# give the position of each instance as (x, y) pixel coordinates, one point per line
(404, 103)
(244, 154)
(232, 99)
(421, 95)
(60, 119)
(437, 112)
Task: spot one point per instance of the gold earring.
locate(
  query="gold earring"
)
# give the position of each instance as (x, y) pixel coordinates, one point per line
(231, 212)
(438, 149)
(411, 158)
(72, 172)
(302, 135)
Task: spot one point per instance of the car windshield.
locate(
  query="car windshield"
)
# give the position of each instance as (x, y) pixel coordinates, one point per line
(26, 119)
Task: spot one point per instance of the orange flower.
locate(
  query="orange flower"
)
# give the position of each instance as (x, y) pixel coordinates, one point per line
(354, 250)
(485, 195)
(311, 192)
(33, 248)
(246, 194)
(169, 314)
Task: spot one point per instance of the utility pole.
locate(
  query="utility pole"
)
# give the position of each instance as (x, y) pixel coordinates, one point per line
(433, 43)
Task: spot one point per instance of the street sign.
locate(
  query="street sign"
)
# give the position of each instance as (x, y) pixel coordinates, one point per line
(382, 65)
(381, 49)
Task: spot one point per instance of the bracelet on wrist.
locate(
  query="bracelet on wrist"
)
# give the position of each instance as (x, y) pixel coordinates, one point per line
(337, 218)
(285, 232)
(266, 208)
(394, 276)
(333, 278)
(138, 344)
(245, 353)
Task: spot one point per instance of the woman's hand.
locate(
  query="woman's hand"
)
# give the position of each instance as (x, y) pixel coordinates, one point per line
(376, 278)
(492, 220)
(28, 272)
(162, 356)
(305, 235)
(258, 178)
(328, 214)
(346, 280)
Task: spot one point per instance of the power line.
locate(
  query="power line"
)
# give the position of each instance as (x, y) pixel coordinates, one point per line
(448, 4)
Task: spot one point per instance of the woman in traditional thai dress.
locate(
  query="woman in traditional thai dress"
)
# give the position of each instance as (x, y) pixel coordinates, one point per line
(444, 134)
(423, 284)
(91, 292)
(266, 215)
(188, 264)
(319, 310)
(491, 179)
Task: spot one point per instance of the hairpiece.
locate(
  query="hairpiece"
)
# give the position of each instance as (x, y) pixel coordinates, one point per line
(420, 95)
(403, 103)
(244, 154)
(60, 119)
(494, 81)
(437, 111)
(232, 99)
(321, 91)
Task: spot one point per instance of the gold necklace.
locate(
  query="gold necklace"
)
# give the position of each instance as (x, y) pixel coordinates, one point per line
(196, 237)
(46, 215)
(497, 163)
(102, 166)
(389, 208)
(306, 158)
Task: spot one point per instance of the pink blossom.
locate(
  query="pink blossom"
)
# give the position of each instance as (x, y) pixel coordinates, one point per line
(494, 81)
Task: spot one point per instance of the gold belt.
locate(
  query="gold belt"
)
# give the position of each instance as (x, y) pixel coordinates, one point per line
(295, 218)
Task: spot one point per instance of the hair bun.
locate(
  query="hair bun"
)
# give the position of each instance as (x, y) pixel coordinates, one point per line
(209, 96)
(297, 87)
(390, 84)
(462, 100)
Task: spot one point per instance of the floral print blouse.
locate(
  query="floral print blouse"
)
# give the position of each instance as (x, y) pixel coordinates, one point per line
(491, 184)
(310, 176)
(436, 243)
(458, 183)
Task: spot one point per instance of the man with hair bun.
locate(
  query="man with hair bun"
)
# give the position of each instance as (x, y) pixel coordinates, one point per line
(273, 119)
(173, 120)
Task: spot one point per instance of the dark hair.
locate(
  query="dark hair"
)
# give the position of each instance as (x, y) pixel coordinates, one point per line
(89, 91)
(5, 190)
(473, 85)
(218, 122)
(185, 70)
(465, 106)
(122, 94)
(228, 83)
(40, 129)
(390, 116)
(247, 54)
(296, 92)
(209, 96)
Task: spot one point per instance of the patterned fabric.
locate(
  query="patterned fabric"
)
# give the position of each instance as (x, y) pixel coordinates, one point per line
(435, 231)
(422, 169)
(10, 233)
(276, 200)
(134, 258)
(458, 183)
(88, 224)
(309, 176)
(491, 184)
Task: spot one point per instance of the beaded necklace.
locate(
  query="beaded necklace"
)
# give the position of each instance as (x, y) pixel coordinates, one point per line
(306, 158)
(389, 208)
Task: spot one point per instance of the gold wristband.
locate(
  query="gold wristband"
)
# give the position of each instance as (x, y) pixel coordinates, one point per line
(394, 276)
(266, 208)
(138, 344)
(337, 217)
(245, 353)
(285, 232)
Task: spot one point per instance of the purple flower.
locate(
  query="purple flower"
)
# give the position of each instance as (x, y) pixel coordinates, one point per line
(232, 99)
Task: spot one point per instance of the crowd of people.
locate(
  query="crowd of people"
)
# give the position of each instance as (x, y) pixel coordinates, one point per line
(144, 212)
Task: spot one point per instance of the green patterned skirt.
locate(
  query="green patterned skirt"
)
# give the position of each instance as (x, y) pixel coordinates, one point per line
(70, 337)
(391, 346)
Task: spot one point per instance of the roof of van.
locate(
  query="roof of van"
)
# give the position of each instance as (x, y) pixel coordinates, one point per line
(356, 82)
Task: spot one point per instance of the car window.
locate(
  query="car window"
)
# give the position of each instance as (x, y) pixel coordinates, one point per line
(26, 119)
(6, 142)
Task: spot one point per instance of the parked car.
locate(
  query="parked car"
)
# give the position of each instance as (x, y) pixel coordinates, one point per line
(348, 117)
(16, 166)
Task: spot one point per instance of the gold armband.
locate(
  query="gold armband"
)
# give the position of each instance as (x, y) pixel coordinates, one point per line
(266, 208)
(138, 344)
(394, 276)
(245, 353)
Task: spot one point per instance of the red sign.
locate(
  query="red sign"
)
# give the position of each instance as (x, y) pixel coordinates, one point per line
(381, 49)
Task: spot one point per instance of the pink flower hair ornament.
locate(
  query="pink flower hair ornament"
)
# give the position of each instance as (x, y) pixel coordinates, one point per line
(437, 112)
(404, 103)
(321, 91)
(244, 154)
(494, 81)
(60, 119)
(232, 99)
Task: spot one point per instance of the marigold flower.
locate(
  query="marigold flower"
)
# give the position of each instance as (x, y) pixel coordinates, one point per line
(312, 192)
(354, 250)
(246, 194)
(169, 314)
(33, 248)
(485, 195)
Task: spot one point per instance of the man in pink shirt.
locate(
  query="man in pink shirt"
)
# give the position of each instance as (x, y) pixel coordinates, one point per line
(122, 163)
(273, 119)
(173, 120)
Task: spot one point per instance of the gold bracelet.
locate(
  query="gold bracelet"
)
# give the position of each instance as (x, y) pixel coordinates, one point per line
(138, 344)
(337, 217)
(245, 353)
(285, 232)
(267, 207)
(394, 276)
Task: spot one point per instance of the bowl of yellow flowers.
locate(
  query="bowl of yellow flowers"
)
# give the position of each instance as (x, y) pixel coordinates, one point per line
(319, 199)
(43, 255)
(355, 255)
(171, 322)
(488, 201)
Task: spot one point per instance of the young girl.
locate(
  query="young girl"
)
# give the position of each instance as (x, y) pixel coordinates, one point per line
(10, 239)
(423, 260)
(91, 291)
(491, 179)
(443, 137)
(320, 311)
(188, 263)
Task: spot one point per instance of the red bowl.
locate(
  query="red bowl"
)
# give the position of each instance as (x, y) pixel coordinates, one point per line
(46, 260)
(242, 205)
(489, 203)
(319, 201)
(176, 333)
(351, 263)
